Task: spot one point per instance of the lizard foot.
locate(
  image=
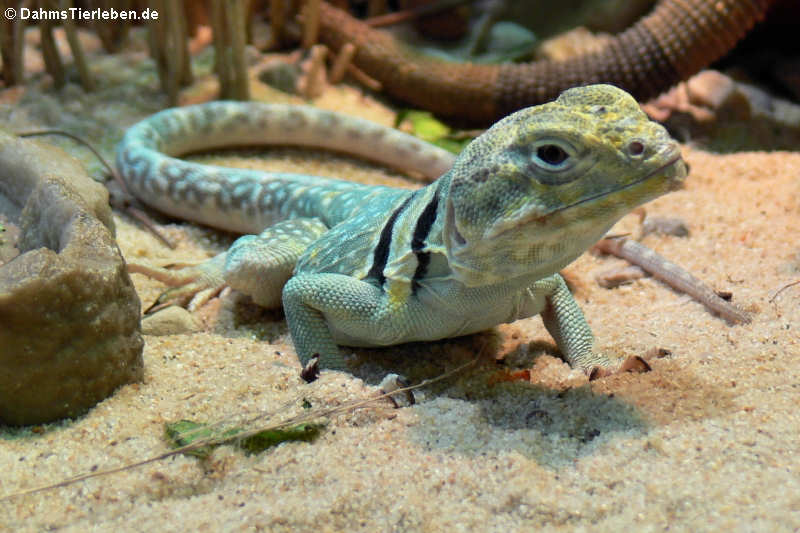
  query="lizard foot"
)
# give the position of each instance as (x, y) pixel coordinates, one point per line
(192, 285)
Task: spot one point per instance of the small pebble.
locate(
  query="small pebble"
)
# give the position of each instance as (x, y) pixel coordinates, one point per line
(171, 321)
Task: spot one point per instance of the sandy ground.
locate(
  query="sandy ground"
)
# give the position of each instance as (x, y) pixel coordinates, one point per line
(707, 441)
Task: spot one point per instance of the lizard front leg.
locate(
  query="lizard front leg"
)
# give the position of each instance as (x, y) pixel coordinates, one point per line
(565, 321)
(315, 302)
(256, 265)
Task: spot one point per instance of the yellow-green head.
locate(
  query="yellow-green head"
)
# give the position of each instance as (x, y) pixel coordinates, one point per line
(543, 184)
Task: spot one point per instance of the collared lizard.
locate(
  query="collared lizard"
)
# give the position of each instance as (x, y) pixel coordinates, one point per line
(362, 265)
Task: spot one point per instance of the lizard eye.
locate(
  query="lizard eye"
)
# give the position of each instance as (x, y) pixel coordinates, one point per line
(552, 154)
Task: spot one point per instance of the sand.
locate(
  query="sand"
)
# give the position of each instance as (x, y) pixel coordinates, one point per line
(707, 441)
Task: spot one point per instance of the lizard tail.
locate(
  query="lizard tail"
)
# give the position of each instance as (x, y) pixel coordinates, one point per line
(676, 40)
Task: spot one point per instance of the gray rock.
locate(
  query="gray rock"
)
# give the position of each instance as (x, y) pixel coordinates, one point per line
(69, 315)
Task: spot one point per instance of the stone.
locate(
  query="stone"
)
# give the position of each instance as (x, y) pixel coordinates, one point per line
(69, 315)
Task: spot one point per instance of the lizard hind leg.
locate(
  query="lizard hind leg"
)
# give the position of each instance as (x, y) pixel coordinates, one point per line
(256, 265)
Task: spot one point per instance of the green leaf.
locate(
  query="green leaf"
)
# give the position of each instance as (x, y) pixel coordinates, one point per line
(186, 432)
(272, 437)
(425, 126)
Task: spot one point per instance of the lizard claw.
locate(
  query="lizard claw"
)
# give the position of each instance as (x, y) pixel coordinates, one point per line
(192, 285)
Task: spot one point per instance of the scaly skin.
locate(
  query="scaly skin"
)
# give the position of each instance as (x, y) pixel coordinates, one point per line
(373, 266)
(675, 41)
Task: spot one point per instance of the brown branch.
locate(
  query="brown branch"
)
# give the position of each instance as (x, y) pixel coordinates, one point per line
(673, 275)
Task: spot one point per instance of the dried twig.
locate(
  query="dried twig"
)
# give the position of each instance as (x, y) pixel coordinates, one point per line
(312, 83)
(236, 19)
(293, 421)
(792, 284)
(672, 274)
(277, 22)
(343, 60)
(11, 46)
(228, 24)
(52, 59)
(77, 50)
(310, 23)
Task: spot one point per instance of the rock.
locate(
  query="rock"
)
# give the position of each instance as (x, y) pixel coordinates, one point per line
(69, 315)
(170, 321)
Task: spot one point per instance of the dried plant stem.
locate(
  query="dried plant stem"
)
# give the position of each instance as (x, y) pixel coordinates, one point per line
(87, 82)
(175, 51)
(52, 59)
(277, 22)
(112, 35)
(228, 24)
(237, 23)
(221, 62)
(310, 23)
(343, 60)
(155, 42)
(11, 46)
(364, 79)
(293, 421)
(788, 285)
(169, 46)
(673, 275)
(315, 82)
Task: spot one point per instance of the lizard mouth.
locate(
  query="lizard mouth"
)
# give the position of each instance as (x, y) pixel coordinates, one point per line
(675, 182)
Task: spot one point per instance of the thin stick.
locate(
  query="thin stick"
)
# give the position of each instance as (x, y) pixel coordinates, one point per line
(11, 47)
(792, 284)
(363, 78)
(77, 50)
(236, 32)
(310, 24)
(182, 34)
(343, 60)
(277, 22)
(673, 275)
(52, 59)
(306, 417)
(221, 63)
(314, 84)
(173, 48)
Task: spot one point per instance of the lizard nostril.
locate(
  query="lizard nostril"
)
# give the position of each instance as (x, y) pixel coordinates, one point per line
(636, 148)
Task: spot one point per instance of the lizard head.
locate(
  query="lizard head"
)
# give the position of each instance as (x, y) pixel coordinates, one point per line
(545, 183)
